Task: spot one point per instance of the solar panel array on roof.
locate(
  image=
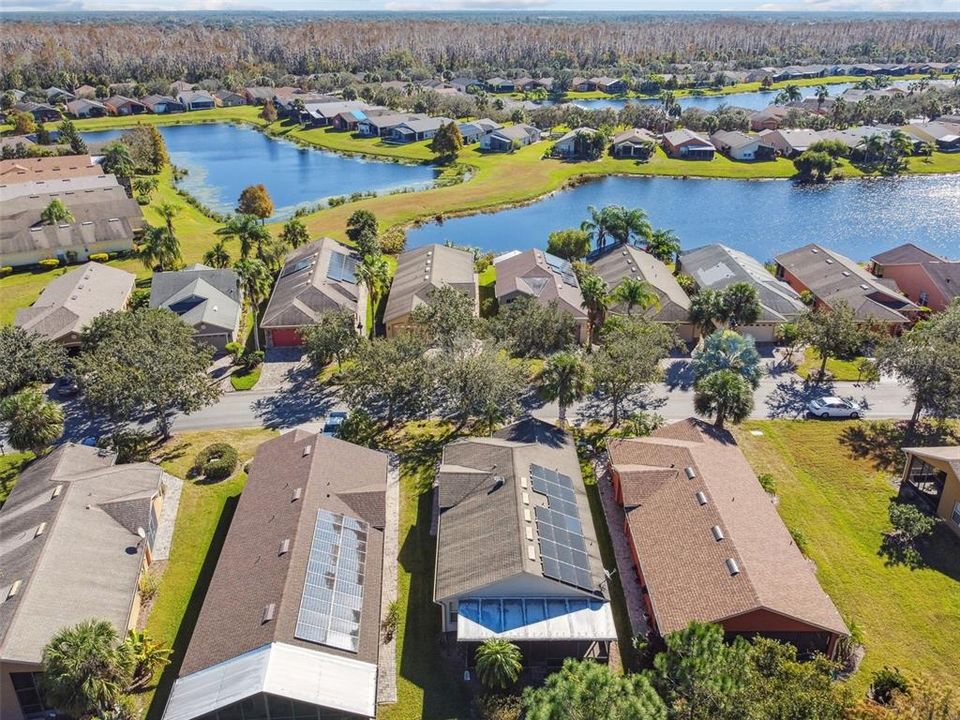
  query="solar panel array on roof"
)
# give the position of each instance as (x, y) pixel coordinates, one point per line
(342, 267)
(563, 550)
(332, 599)
(298, 266)
(562, 267)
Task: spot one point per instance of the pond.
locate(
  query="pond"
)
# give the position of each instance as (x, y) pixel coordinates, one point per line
(756, 100)
(762, 218)
(222, 159)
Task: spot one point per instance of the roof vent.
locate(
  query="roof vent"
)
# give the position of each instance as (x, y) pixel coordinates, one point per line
(717, 533)
(40, 528)
(56, 492)
(690, 473)
(523, 482)
(526, 515)
(284, 547)
(829, 261)
(864, 287)
(814, 250)
(270, 610)
(732, 566)
(531, 553)
(297, 494)
(14, 589)
(525, 496)
(306, 450)
(701, 498)
(529, 533)
(498, 481)
(846, 273)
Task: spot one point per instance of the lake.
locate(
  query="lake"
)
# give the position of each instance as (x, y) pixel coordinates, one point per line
(222, 159)
(755, 100)
(762, 218)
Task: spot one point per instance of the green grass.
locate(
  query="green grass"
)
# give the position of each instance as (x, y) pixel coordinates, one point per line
(11, 465)
(202, 521)
(842, 370)
(245, 380)
(910, 618)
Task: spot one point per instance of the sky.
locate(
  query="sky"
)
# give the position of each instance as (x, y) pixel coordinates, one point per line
(493, 5)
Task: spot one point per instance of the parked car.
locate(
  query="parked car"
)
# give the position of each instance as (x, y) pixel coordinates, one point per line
(333, 422)
(833, 407)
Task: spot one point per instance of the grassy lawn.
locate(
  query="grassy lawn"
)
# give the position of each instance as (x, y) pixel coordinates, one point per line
(844, 370)
(11, 465)
(910, 618)
(202, 521)
(245, 380)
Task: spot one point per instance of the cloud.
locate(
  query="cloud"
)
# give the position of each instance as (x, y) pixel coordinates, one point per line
(858, 6)
(442, 5)
(44, 6)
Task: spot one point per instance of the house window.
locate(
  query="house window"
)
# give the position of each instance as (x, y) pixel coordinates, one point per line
(956, 514)
(452, 611)
(27, 687)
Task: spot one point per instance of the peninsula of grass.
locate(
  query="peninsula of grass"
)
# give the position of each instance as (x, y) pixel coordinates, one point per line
(245, 380)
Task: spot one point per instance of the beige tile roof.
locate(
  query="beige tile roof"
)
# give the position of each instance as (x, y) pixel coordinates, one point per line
(47, 168)
(422, 270)
(683, 564)
(528, 273)
(626, 261)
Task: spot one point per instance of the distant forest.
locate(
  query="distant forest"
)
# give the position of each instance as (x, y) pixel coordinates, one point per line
(245, 48)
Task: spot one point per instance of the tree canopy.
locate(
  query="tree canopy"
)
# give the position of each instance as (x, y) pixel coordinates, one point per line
(32, 422)
(724, 394)
(529, 329)
(255, 200)
(447, 142)
(27, 358)
(332, 336)
(728, 350)
(834, 333)
(449, 319)
(569, 244)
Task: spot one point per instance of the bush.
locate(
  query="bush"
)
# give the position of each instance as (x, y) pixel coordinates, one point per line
(5, 270)
(236, 349)
(800, 540)
(497, 707)
(768, 483)
(131, 445)
(216, 462)
(99, 257)
(252, 359)
(139, 299)
(389, 625)
(48, 263)
(885, 683)
(148, 585)
(393, 241)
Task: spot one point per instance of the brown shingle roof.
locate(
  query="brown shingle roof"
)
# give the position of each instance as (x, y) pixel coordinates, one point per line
(47, 168)
(682, 563)
(424, 269)
(626, 261)
(906, 254)
(528, 273)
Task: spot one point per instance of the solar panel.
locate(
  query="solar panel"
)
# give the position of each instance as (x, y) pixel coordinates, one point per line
(332, 599)
(342, 268)
(297, 266)
(562, 267)
(563, 549)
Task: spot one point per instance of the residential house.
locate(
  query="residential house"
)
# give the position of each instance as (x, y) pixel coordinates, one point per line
(349, 120)
(500, 85)
(813, 105)
(926, 279)
(383, 125)
(207, 299)
(716, 267)
(179, 86)
(86, 91)
(800, 72)
(421, 271)
(740, 146)
(78, 532)
(545, 278)
(417, 130)
(790, 143)
(545, 82)
(20, 144)
(40, 112)
(524, 84)
(228, 98)
(507, 138)
(105, 220)
(197, 100)
(570, 144)
(832, 278)
(932, 474)
(71, 301)
(120, 105)
(315, 278)
(634, 143)
(769, 118)
(687, 145)
(84, 108)
(22, 170)
(517, 552)
(620, 262)
(609, 85)
(322, 114)
(465, 84)
(58, 95)
(59, 186)
(163, 104)
(474, 130)
(708, 544)
(290, 623)
(944, 136)
(260, 95)
(583, 84)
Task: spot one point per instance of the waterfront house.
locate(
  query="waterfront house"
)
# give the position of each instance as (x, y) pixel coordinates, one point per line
(768, 118)
(944, 136)
(740, 146)
(83, 108)
(207, 299)
(41, 113)
(121, 105)
(570, 144)
(421, 271)
(197, 100)
(290, 624)
(708, 545)
(634, 143)
(417, 130)
(71, 301)
(179, 86)
(58, 95)
(54, 167)
(932, 474)
(609, 85)
(163, 104)
(79, 530)
(473, 130)
(831, 277)
(321, 114)
(228, 98)
(545, 278)
(716, 267)
(465, 84)
(500, 85)
(507, 138)
(790, 143)
(687, 145)
(517, 552)
(926, 279)
(383, 125)
(580, 84)
(315, 278)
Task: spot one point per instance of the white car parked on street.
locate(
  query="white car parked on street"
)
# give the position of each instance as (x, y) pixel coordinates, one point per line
(833, 407)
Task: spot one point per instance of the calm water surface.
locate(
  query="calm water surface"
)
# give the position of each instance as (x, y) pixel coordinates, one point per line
(222, 159)
(855, 217)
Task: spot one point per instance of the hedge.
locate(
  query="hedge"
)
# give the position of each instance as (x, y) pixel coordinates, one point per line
(49, 263)
(99, 257)
(216, 462)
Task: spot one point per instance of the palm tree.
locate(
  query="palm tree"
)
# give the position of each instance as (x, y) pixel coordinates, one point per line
(498, 663)
(33, 422)
(374, 272)
(248, 230)
(822, 94)
(217, 256)
(167, 212)
(790, 93)
(256, 280)
(158, 249)
(706, 310)
(55, 213)
(117, 161)
(741, 304)
(148, 657)
(564, 379)
(596, 225)
(873, 146)
(596, 300)
(636, 293)
(617, 222)
(724, 394)
(664, 245)
(86, 669)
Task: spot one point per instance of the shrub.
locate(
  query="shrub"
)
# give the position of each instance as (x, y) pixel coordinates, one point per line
(236, 349)
(886, 681)
(130, 445)
(768, 483)
(5, 270)
(148, 585)
(800, 540)
(389, 625)
(216, 462)
(99, 257)
(139, 298)
(48, 263)
(497, 707)
(252, 359)
(393, 241)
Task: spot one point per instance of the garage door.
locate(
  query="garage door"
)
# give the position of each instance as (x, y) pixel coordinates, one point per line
(285, 337)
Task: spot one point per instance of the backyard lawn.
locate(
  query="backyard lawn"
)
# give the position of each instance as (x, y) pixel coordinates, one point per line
(910, 619)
